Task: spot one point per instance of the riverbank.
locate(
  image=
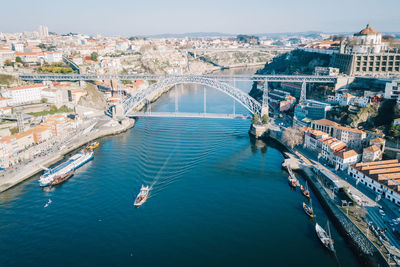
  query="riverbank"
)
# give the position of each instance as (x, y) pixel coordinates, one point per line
(367, 253)
(34, 168)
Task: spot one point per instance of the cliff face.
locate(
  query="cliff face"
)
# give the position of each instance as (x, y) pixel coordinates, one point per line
(93, 98)
(294, 62)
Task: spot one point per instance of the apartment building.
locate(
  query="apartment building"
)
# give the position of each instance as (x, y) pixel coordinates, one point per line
(26, 94)
(353, 138)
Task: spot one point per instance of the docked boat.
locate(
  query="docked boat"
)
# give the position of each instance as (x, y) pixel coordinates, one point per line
(292, 182)
(305, 191)
(325, 237)
(62, 178)
(142, 196)
(92, 146)
(308, 210)
(71, 164)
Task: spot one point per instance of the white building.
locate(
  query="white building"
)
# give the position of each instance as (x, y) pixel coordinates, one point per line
(53, 57)
(368, 41)
(43, 32)
(392, 90)
(18, 47)
(26, 94)
(371, 153)
(345, 158)
(383, 177)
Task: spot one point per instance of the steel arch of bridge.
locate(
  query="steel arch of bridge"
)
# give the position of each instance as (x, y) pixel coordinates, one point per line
(132, 102)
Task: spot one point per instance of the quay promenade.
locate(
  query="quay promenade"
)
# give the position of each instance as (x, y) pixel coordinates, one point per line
(101, 127)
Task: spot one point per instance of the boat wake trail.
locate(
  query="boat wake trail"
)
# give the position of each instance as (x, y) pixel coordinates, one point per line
(162, 168)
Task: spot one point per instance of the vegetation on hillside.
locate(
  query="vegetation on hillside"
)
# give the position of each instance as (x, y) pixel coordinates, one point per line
(53, 110)
(56, 68)
(7, 79)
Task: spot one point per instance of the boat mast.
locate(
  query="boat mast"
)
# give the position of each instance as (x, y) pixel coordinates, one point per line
(329, 230)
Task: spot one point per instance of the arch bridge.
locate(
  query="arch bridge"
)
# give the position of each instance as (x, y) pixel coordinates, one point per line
(219, 82)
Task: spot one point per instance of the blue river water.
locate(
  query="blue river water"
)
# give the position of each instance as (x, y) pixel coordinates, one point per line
(218, 198)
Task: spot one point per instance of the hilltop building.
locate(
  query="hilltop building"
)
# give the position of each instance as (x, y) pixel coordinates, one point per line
(366, 53)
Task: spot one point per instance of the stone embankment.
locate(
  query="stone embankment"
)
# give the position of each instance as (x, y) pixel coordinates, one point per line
(366, 251)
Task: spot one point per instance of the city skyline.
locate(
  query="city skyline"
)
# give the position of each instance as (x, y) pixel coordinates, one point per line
(256, 17)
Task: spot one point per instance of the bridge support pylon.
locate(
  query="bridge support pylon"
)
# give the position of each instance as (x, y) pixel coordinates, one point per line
(118, 112)
(264, 107)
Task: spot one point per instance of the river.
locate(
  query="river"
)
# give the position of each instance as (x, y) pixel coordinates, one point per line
(218, 198)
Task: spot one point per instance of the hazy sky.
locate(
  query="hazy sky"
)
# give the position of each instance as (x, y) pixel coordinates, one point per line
(131, 17)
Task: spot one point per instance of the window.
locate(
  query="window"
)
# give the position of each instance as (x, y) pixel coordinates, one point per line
(391, 58)
(364, 69)
(358, 58)
(390, 69)
(370, 69)
(371, 57)
(383, 69)
(365, 57)
(384, 57)
(358, 69)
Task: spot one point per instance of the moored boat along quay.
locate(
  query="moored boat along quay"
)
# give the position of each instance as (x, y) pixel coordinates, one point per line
(100, 128)
(367, 247)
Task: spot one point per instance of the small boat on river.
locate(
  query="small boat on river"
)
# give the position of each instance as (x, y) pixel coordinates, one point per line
(142, 196)
(62, 178)
(325, 237)
(305, 191)
(92, 146)
(308, 210)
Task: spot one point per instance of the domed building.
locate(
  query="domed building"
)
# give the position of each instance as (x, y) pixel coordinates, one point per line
(368, 41)
(366, 53)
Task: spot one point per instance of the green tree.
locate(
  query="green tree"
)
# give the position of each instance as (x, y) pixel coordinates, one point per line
(44, 100)
(14, 130)
(94, 56)
(256, 118)
(395, 131)
(265, 119)
(18, 59)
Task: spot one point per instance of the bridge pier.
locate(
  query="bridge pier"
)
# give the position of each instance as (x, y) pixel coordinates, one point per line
(118, 112)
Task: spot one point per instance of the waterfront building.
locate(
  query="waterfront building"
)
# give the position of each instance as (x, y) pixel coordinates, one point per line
(383, 177)
(346, 157)
(371, 153)
(353, 138)
(311, 138)
(26, 94)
